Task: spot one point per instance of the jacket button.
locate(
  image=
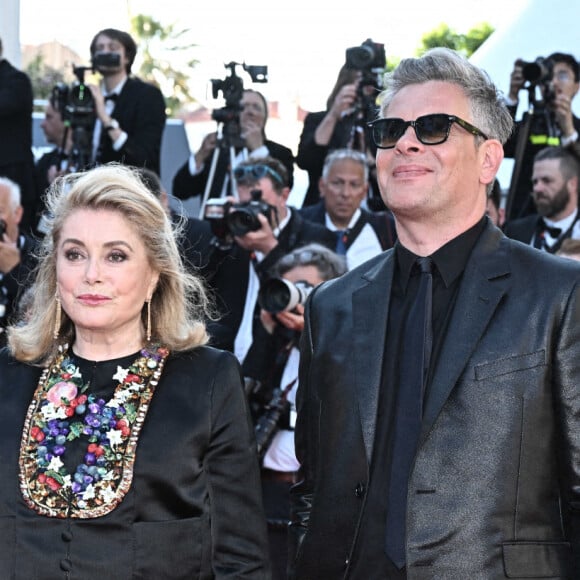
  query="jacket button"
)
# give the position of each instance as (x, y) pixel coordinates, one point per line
(66, 565)
(359, 490)
(67, 536)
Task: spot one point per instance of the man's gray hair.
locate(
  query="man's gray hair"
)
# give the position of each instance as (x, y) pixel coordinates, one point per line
(328, 263)
(14, 189)
(340, 154)
(488, 108)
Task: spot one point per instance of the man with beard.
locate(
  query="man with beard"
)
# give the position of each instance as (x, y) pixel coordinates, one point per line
(555, 178)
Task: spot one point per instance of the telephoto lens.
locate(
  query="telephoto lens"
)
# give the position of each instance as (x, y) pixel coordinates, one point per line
(280, 295)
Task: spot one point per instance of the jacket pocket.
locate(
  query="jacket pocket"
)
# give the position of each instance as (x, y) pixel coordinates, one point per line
(536, 559)
(512, 364)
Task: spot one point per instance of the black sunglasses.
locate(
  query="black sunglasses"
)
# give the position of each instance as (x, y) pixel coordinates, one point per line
(256, 172)
(430, 129)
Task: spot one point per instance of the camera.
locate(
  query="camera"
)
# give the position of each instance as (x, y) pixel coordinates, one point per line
(243, 217)
(237, 219)
(369, 56)
(280, 295)
(232, 89)
(2, 228)
(538, 71)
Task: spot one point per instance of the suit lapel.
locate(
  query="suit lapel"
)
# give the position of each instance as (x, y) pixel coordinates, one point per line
(372, 298)
(484, 283)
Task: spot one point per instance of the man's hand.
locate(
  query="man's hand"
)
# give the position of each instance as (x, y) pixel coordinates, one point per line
(344, 101)
(516, 80)
(562, 107)
(262, 240)
(292, 320)
(252, 134)
(9, 255)
(207, 148)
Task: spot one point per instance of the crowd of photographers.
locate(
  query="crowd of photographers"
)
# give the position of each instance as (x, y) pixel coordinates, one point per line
(258, 255)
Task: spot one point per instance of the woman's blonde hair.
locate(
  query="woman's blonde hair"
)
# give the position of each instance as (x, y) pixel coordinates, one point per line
(180, 304)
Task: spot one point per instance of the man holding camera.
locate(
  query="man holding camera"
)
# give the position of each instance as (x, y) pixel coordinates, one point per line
(264, 229)
(199, 175)
(17, 254)
(551, 123)
(272, 367)
(349, 106)
(130, 112)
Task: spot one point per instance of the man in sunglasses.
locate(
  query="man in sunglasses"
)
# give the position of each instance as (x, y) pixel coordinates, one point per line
(437, 408)
(236, 269)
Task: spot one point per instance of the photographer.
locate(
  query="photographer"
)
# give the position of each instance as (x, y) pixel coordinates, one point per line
(130, 112)
(343, 123)
(17, 254)
(550, 122)
(237, 263)
(192, 177)
(273, 363)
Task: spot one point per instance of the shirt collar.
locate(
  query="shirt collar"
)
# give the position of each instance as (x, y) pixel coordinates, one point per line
(450, 260)
(330, 225)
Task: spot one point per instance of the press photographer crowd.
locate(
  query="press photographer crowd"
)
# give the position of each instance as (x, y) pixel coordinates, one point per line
(208, 324)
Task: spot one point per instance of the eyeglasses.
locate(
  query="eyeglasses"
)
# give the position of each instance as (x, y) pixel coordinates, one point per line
(430, 129)
(256, 172)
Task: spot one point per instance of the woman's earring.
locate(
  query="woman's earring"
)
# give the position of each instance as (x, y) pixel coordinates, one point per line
(58, 319)
(149, 320)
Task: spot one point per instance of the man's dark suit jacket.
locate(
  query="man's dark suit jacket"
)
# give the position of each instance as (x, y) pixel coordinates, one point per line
(16, 158)
(228, 273)
(186, 185)
(140, 110)
(522, 229)
(494, 491)
(382, 222)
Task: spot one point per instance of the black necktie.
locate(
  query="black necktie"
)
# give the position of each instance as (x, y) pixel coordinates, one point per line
(111, 97)
(414, 365)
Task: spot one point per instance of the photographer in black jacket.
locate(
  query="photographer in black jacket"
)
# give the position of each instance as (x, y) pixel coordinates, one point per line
(237, 263)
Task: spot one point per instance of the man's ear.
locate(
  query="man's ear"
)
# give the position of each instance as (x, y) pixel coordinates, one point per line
(491, 155)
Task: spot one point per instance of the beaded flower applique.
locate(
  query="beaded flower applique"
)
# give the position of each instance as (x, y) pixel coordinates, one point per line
(62, 411)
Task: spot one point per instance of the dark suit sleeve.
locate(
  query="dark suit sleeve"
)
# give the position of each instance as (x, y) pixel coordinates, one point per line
(238, 521)
(186, 185)
(144, 126)
(310, 155)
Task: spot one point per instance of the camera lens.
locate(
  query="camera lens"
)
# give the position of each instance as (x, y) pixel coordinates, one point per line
(279, 295)
(243, 220)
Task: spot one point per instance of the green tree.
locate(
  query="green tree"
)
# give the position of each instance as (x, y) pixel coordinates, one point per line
(160, 49)
(43, 77)
(466, 43)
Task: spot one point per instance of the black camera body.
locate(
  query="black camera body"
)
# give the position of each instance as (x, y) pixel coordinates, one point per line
(232, 89)
(2, 228)
(76, 102)
(281, 295)
(540, 73)
(237, 219)
(369, 56)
